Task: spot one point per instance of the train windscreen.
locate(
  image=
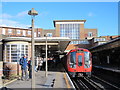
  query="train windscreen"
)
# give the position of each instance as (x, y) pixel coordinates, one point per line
(79, 60)
(73, 59)
(87, 59)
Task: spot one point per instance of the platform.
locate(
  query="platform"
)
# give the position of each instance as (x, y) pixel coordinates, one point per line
(109, 68)
(56, 78)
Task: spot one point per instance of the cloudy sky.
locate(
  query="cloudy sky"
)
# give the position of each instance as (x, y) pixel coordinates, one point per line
(100, 15)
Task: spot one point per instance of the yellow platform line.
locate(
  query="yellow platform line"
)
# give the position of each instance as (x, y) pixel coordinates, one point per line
(66, 80)
(5, 84)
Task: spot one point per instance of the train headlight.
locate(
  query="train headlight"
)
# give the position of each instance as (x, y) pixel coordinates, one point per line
(72, 65)
(87, 66)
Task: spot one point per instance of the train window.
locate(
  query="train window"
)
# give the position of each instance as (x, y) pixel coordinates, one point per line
(79, 51)
(73, 60)
(87, 59)
(79, 60)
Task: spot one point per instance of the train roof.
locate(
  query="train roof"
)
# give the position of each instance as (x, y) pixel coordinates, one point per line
(83, 49)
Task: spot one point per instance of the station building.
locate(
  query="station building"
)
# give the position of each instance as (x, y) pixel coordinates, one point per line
(67, 35)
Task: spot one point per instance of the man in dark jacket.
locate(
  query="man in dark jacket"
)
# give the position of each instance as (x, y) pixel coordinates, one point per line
(30, 68)
(23, 63)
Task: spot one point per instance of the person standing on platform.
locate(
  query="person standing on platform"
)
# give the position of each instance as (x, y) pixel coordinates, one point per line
(36, 64)
(23, 63)
(30, 68)
(44, 64)
(40, 63)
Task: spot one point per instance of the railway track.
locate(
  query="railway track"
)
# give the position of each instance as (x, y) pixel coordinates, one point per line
(106, 84)
(93, 83)
(85, 84)
(107, 75)
(79, 84)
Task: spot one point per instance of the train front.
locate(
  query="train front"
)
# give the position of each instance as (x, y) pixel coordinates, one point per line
(79, 62)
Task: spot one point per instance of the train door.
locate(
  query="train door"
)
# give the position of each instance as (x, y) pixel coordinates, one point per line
(80, 62)
(87, 61)
(72, 62)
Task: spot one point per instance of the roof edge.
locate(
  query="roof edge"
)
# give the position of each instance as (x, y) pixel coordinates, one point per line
(68, 21)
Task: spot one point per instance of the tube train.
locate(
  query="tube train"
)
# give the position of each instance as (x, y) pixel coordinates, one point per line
(78, 62)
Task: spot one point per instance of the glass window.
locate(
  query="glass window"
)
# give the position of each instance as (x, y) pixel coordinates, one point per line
(49, 34)
(98, 39)
(79, 60)
(13, 49)
(87, 56)
(90, 34)
(73, 60)
(103, 39)
(24, 33)
(70, 30)
(14, 60)
(95, 40)
(38, 34)
(7, 46)
(87, 59)
(35, 34)
(3, 31)
(29, 32)
(15, 46)
(18, 32)
(9, 30)
(15, 52)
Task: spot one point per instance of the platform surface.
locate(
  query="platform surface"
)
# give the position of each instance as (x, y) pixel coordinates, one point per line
(109, 68)
(56, 78)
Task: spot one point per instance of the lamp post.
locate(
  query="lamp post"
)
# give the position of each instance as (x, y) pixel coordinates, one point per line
(33, 13)
(46, 68)
(18, 58)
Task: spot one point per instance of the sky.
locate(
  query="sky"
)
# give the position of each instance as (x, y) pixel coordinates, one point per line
(100, 15)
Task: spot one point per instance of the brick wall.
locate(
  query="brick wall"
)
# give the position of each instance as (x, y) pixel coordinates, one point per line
(57, 32)
(82, 31)
(94, 31)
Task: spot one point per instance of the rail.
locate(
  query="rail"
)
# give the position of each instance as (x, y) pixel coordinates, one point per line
(94, 82)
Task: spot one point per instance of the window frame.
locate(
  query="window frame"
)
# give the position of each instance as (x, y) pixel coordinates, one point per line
(18, 31)
(9, 31)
